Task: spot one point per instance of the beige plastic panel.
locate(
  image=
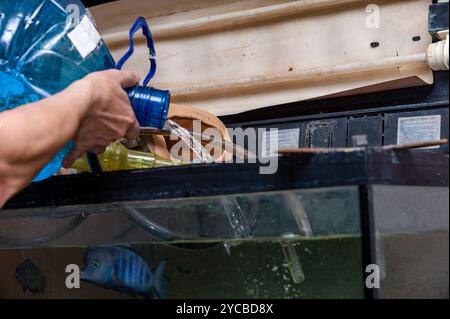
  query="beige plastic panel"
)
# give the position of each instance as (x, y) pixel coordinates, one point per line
(248, 55)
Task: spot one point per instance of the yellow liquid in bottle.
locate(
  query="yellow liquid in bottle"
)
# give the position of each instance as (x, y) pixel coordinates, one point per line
(117, 158)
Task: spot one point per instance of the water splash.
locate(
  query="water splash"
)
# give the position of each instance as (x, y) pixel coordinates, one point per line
(194, 145)
(239, 222)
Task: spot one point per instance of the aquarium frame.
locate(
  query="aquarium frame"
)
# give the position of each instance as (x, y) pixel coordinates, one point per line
(368, 237)
(361, 168)
(364, 167)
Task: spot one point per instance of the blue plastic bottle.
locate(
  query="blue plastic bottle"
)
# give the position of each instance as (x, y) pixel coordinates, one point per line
(45, 45)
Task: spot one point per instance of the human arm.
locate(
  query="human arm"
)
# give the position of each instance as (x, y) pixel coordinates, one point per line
(93, 112)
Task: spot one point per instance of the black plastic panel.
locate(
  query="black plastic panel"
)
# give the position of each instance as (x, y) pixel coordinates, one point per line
(392, 119)
(371, 126)
(438, 17)
(324, 133)
(93, 3)
(374, 115)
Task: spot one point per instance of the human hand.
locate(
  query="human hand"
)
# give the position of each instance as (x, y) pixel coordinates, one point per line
(108, 115)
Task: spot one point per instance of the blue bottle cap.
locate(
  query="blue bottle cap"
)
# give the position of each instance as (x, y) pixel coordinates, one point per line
(150, 105)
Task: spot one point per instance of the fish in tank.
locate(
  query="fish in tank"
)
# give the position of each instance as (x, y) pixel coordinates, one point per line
(122, 269)
(30, 278)
(258, 268)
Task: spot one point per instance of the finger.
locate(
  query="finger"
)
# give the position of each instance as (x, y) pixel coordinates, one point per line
(133, 131)
(128, 79)
(75, 154)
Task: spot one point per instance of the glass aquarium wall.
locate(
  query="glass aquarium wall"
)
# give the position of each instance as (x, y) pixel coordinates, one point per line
(289, 244)
(412, 241)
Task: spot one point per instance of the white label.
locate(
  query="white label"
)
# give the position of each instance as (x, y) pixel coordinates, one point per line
(419, 129)
(85, 37)
(274, 140)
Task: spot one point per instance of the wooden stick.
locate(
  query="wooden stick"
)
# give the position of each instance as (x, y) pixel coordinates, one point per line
(232, 19)
(416, 145)
(286, 151)
(300, 75)
(317, 150)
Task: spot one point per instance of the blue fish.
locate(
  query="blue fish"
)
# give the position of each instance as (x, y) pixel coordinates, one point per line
(123, 270)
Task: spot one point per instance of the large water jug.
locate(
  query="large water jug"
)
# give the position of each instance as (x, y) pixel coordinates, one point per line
(45, 45)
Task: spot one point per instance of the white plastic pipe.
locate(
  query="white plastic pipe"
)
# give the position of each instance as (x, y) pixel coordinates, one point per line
(233, 19)
(437, 55)
(301, 75)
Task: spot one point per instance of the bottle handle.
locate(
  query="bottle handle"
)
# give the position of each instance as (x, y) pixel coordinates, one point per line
(141, 23)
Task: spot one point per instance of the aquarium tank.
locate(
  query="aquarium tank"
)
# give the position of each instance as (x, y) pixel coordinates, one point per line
(286, 244)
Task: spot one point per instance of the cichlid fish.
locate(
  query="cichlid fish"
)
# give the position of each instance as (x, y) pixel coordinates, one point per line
(123, 270)
(30, 278)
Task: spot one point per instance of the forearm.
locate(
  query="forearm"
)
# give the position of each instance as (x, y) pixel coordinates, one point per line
(94, 112)
(32, 134)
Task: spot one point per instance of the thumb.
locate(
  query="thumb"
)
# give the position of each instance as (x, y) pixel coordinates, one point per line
(128, 79)
(133, 131)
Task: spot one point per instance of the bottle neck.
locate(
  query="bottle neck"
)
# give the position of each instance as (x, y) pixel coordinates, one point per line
(150, 105)
(140, 160)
